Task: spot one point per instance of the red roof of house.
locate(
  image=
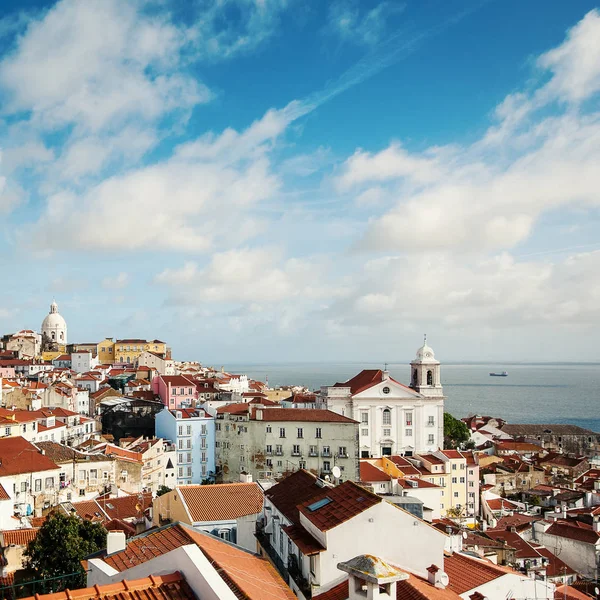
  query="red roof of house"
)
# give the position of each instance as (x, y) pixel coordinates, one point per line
(555, 567)
(18, 537)
(431, 458)
(514, 540)
(574, 530)
(17, 456)
(221, 501)
(3, 493)
(365, 379)
(415, 483)
(568, 592)
(163, 587)
(178, 381)
(369, 472)
(247, 575)
(466, 573)
(292, 491)
(313, 415)
(345, 502)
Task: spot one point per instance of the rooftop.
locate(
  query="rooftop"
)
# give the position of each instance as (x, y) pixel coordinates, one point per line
(155, 587)
(221, 501)
(466, 573)
(17, 456)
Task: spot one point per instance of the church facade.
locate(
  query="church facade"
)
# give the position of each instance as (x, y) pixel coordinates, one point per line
(394, 418)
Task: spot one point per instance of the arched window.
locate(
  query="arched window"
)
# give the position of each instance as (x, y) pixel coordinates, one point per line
(429, 377)
(62, 336)
(53, 335)
(414, 377)
(387, 416)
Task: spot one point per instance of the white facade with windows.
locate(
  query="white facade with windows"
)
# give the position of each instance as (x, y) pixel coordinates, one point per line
(394, 418)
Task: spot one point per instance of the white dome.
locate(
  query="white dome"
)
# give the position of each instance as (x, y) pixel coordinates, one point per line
(54, 325)
(425, 354)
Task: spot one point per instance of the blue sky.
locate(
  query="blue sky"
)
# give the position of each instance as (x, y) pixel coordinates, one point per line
(271, 180)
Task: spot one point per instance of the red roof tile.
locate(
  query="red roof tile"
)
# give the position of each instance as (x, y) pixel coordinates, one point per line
(3, 493)
(248, 575)
(574, 530)
(306, 543)
(292, 491)
(157, 587)
(17, 456)
(570, 593)
(369, 472)
(221, 501)
(313, 415)
(18, 537)
(345, 502)
(466, 573)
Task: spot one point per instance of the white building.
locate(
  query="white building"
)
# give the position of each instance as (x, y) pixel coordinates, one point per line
(54, 326)
(84, 361)
(394, 418)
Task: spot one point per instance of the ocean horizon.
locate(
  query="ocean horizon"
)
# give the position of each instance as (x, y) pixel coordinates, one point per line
(533, 392)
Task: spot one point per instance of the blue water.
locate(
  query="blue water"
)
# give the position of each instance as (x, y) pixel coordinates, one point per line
(532, 393)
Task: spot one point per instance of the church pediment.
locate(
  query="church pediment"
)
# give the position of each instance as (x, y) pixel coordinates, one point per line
(387, 389)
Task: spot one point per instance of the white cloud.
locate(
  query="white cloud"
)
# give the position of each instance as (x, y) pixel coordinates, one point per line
(118, 282)
(97, 63)
(347, 22)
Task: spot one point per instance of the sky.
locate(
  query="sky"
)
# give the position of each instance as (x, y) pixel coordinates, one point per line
(299, 180)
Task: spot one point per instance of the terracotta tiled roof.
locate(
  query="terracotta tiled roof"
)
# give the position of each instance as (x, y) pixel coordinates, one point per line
(306, 543)
(500, 504)
(3, 493)
(60, 454)
(368, 378)
(466, 573)
(430, 458)
(570, 593)
(345, 502)
(574, 530)
(155, 587)
(313, 415)
(369, 472)
(17, 456)
(248, 575)
(105, 509)
(404, 465)
(514, 540)
(452, 454)
(415, 483)
(292, 491)
(221, 501)
(18, 537)
(178, 381)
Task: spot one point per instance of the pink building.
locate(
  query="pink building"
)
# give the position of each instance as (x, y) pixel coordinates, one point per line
(176, 391)
(7, 372)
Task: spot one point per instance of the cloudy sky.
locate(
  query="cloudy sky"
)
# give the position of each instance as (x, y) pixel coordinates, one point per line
(299, 180)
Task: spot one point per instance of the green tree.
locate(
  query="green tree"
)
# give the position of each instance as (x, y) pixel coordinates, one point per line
(61, 544)
(163, 489)
(456, 432)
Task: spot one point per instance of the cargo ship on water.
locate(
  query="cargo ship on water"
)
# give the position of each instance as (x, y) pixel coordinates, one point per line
(502, 374)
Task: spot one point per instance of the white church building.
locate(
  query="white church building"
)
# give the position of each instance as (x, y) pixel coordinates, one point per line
(54, 326)
(394, 418)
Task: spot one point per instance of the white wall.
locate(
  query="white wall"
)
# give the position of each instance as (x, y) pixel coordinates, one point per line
(513, 586)
(189, 560)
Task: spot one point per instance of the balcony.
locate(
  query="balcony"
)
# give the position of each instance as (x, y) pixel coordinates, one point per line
(296, 454)
(343, 455)
(313, 453)
(326, 454)
(278, 452)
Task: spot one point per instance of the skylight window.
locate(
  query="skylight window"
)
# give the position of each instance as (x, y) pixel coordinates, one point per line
(319, 504)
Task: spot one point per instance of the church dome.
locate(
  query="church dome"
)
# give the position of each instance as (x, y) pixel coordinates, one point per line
(425, 354)
(55, 326)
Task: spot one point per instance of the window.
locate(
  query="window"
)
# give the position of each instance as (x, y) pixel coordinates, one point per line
(408, 432)
(431, 439)
(279, 450)
(456, 494)
(296, 450)
(180, 472)
(282, 432)
(269, 449)
(181, 430)
(429, 377)
(462, 466)
(471, 494)
(189, 457)
(268, 429)
(49, 482)
(313, 564)
(326, 451)
(387, 432)
(387, 416)
(188, 443)
(431, 421)
(7, 431)
(189, 430)
(269, 462)
(279, 463)
(454, 480)
(365, 432)
(471, 471)
(180, 458)
(364, 418)
(342, 451)
(408, 419)
(312, 451)
(318, 433)
(180, 443)
(462, 479)
(189, 471)
(326, 466)
(38, 485)
(386, 390)
(471, 484)
(300, 432)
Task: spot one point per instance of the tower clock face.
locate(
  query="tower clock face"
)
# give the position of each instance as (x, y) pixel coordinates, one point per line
(427, 354)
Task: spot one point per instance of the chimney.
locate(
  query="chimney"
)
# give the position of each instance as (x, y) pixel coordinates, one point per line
(435, 576)
(596, 524)
(115, 542)
(477, 596)
(245, 477)
(258, 414)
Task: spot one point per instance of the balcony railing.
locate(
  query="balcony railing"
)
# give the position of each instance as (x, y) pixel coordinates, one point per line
(326, 453)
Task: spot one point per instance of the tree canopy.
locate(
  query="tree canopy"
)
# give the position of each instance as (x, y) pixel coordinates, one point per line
(61, 543)
(163, 489)
(456, 432)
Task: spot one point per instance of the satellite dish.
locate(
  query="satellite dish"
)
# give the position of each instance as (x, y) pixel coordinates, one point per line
(336, 472)
(138, 507)
(444, 579)
(596, 591)
(464, 534)
(557, 509)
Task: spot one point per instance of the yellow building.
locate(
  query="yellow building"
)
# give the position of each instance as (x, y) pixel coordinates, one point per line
(129, 350)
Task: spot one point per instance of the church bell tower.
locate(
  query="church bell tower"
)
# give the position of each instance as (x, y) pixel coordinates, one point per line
(425, 373)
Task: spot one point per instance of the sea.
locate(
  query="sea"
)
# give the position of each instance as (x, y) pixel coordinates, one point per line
(531, 393)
